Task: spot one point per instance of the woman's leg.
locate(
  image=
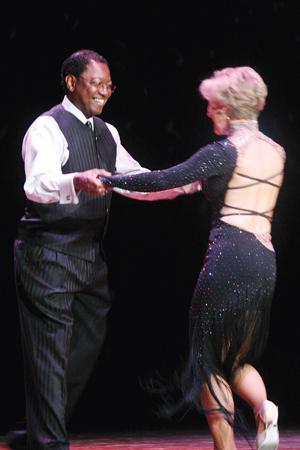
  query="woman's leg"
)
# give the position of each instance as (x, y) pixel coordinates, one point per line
(249, 385)
(222, 432)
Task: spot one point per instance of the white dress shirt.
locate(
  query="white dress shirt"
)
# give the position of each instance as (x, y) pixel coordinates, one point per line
(45, 152)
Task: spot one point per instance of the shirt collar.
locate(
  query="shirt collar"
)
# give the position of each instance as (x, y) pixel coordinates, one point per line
(71, 108)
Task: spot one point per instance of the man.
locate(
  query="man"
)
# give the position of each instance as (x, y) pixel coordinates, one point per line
(61, 273)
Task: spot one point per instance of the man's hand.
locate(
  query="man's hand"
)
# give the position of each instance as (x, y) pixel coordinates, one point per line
(89, 182)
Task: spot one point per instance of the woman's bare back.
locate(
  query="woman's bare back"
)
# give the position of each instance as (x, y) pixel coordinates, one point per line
(254, 186)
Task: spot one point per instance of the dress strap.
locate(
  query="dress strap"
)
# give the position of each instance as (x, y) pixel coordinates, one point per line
(257, 180)
(247, 212)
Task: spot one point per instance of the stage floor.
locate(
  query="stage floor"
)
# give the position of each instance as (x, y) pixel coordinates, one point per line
(191, 440)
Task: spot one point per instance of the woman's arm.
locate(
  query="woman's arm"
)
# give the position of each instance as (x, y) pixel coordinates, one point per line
(211, 160)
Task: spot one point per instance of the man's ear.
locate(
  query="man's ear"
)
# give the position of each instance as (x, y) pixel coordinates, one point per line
(70, 81)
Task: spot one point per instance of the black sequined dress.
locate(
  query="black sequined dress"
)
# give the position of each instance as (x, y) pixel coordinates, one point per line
(230, 309)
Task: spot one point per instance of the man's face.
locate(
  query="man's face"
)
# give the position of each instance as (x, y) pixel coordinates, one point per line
(91, 90)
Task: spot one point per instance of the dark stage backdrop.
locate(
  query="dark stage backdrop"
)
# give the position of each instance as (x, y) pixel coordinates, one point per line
(158, 56)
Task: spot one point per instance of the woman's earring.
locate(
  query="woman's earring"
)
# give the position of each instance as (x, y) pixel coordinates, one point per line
(227, 122)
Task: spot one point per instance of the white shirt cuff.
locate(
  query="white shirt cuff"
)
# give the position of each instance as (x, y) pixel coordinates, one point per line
(67, 190)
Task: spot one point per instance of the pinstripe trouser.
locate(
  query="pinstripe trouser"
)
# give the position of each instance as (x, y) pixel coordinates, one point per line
(63, 306)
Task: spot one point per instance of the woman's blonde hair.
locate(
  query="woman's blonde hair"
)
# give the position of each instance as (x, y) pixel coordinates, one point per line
(240, 89)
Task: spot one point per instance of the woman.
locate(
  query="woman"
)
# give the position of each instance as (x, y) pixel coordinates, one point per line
(229, 315)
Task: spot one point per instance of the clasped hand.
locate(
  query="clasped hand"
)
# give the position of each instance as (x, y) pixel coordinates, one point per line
(90, 183)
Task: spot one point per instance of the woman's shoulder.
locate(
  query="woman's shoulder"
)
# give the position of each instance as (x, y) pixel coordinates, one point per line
(225, 148)
(219, 146)
(275, 145)
(220, 152)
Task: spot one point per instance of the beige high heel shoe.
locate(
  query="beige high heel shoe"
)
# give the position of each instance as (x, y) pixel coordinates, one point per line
(268, 438)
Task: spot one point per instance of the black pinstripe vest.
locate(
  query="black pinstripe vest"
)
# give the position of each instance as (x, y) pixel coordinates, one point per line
(74, 229)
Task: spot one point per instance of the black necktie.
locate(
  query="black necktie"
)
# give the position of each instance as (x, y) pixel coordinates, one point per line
(89, 124)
